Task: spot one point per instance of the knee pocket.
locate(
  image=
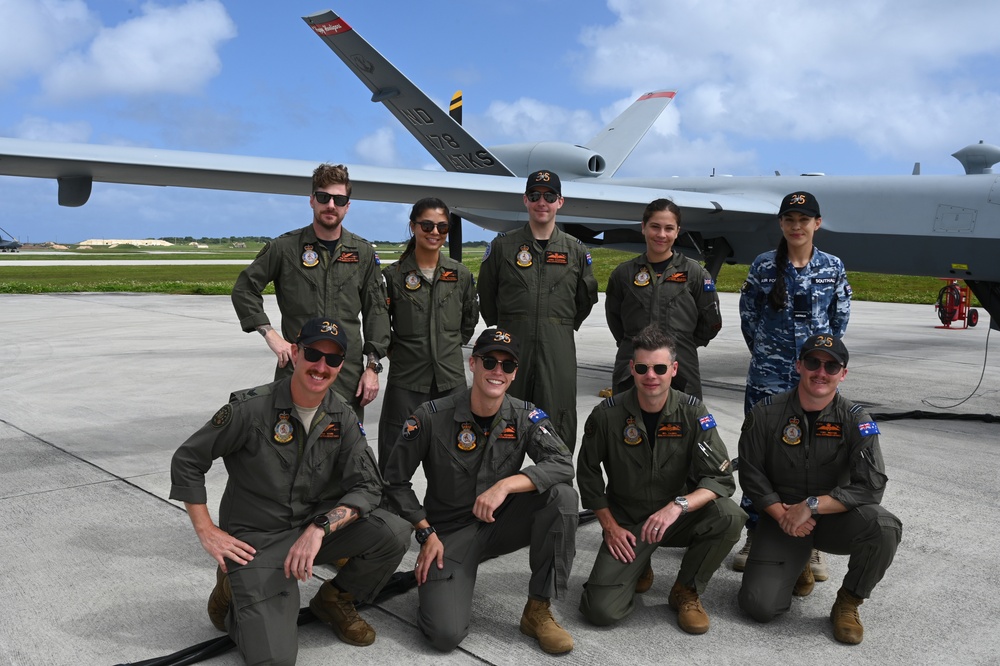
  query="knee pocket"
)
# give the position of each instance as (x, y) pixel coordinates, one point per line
(598, 604)
(266, 611)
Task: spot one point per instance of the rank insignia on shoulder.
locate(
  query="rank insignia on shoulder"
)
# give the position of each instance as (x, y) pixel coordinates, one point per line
(332, 431)
(466, 438)
(509, 432)
(709, 284)
(309, 256)
(412, 281)
(707, 422)
(223, 416)
(632, 435)
(283, 429)
(524, 257)
(792, 434)
(641, 278)
(411, 428)
(670, 430)
(827, 429)
(537, 414)
(868, 428)
(348, 257)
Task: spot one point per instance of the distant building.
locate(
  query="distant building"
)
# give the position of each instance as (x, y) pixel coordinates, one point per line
(145, 242)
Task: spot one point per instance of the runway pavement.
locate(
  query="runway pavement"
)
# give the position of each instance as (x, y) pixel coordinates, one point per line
(97, 390)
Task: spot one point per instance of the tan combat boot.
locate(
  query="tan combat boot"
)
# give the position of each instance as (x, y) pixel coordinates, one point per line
(645, 580)
(817, 562)
(537, 622)
(691, 616)
(740, 558)
(336, 609)
(219, 600)
(846, 619)
(804, 584)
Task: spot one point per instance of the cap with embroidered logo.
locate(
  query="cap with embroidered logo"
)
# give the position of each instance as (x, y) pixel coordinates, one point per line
(826, 343)
(800, 202)
(322, 328)
(544, 178)
(495, 339)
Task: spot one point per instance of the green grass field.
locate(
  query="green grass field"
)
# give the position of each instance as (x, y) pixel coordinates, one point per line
(219, 280)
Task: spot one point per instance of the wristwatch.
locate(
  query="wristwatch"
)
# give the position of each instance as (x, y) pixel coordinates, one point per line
(374, 366)
(682, 502)
(813, 504)
(423, 534)
(323, 521)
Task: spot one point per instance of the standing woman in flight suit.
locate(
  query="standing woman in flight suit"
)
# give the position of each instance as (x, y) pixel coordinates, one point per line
(790, 294)
(434, 309)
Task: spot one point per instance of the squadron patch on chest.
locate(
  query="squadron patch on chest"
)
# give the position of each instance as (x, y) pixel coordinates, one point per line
(466, 438)
(283, 429)
(641, 278)
(792, 433)
(632, 435)
(670, 430)
(223, 416)
(828, 429)
(309, 256)
(332, 431)
(412, 281)
(524, 257)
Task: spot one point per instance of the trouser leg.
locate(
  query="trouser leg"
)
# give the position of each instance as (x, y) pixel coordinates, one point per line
(263, 615)
(775, 562)
(375, 545)
(870, 535)
(708, 534)
(446, 596)
(609, 593)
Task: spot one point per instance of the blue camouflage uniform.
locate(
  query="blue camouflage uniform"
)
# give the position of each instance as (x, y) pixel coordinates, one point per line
(819, 301)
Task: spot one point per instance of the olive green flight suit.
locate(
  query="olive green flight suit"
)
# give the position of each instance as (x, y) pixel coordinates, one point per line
(431, 320)
(681, 301)
(460, 462)
(645, 472)
(786, 456)
(542, 297)
(345, 287)
(281, 475)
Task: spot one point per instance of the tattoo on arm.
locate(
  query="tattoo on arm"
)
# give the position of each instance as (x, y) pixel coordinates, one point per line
(341, 516)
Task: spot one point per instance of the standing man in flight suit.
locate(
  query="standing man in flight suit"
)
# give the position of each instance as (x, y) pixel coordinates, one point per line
(537, 283)
(667, 289)
(480, 502)
(302, 490)
(322, 268)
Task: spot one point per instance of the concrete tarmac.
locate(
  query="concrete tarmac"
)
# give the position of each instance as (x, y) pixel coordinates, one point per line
(99, 567)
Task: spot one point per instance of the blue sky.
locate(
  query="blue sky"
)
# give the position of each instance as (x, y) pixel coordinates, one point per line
(845, 88)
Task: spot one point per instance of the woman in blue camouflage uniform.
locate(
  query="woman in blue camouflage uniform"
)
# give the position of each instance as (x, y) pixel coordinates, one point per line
(434, 309)
(790, 294)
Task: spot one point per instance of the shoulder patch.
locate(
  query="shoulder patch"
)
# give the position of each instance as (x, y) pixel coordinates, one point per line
(223, 416)
(747, 422)
(868, 428)
(707, 422)
(411, 428)
(489, 249)
(590, 260)
(709, 284)
(378, 262)
(537, 414)
(589, 427)
(361, 427)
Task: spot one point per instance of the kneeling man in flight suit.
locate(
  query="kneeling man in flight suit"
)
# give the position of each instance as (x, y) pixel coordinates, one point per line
(480, 503)
(303, 489)
(669, 484)
(810, 461)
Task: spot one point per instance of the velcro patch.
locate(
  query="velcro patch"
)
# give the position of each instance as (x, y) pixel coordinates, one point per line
(448, 275)
(707, 422)
(332, 431)
(348, 257)
(677, 277)
(537, 414)
(223, 416)
(411, 428)
(709, 285)
(868, 428)
(827, 429)
(670, 430)
(556, 258)
(509, 432)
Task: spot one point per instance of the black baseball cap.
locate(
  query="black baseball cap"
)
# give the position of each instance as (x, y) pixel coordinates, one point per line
(544, 178)
(801, 202)
(826, 343)
(495, 339)
(322, 328)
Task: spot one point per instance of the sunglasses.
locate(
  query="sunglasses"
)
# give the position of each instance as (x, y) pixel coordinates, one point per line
(427, 226)
(535, 195)
(643, 368)
(490, 362)
(812, 364)
(313, 355)
(324, 198)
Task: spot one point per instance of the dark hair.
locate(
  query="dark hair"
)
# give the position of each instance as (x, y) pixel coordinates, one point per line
(652, 338)
(331, 174)
(778, 297)
(660, 205)
(425, 204)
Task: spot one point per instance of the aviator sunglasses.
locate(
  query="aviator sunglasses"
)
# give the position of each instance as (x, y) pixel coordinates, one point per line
(490, 362)
(535, 195)
(313, 355)
(812, 364)
(643, 368)
(324, 198)
(427, 226)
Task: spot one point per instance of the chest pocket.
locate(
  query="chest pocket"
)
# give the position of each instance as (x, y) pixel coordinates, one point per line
(410, 311)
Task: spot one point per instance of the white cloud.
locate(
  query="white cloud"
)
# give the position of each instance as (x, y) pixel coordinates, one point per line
(531, 120)
(165, 50)
(34, 34)
(35, 128)
(378, 148)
